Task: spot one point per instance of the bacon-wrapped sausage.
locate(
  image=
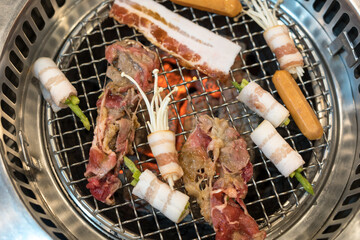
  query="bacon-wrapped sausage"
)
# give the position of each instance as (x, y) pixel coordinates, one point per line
(276, 36)
(262, 103)
(161, 139)
(57, 89)
(280, 153)
(172, 203)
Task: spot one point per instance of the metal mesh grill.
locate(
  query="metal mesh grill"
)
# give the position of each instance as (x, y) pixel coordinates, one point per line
(271, 197)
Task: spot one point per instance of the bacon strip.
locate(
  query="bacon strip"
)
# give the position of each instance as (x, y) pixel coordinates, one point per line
(280, 43)
(193, 45)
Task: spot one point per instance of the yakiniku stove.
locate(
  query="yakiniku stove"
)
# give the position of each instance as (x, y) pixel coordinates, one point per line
(44, 154)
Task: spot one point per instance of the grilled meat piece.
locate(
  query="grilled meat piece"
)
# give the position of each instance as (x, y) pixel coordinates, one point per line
(116, 121)
(215, 148)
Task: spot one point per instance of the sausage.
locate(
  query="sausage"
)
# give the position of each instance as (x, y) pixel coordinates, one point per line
(297, 105)
(229, 8)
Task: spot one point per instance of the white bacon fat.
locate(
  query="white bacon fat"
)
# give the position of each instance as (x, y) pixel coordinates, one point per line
(162, 144)
(195, 46)
(55, 87)
(274, 147)
(263, 103)
(283, 46)
(171, 203)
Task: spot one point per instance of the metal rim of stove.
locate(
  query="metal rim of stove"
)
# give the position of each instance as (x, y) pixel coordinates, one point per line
(18, 150)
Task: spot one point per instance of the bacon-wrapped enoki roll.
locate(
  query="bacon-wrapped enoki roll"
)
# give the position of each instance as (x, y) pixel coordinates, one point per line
(276, 36)
(56, 88)
(286, 160)
(172, 203)
(161, 139)
(262, 103)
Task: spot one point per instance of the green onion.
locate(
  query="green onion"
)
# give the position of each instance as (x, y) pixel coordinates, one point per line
(73, 102)
(240, 86)
(302, 180)
(132, 167)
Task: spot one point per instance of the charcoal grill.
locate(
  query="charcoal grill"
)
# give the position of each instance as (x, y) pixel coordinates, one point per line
(43, 155)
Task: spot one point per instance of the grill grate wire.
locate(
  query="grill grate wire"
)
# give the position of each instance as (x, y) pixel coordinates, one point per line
(271, 197)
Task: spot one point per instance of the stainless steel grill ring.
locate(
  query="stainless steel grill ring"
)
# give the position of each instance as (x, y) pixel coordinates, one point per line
(44, 155)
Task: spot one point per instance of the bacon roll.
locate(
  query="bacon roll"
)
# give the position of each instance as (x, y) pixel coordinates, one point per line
(262, 103)
(280, 43)
(195, 46)
(161, 139)
(274, 147)
(276, 36)
(162, 144)
(55, 87)
(173, 204)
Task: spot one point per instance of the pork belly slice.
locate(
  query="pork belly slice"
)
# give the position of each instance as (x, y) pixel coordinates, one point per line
(195, 46)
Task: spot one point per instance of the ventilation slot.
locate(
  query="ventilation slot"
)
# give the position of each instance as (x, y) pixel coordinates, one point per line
(29, 32)
(14, 160)
(28, 192)
(318, 4)
(7, 109)
(22, 178)
(37, 208)
(60, 3)
(332, 228)
(11, 143)
(49, 10)
(48, 222)
(355, 184)
(8, 93)
(331, 12)
(60, 236)
(352, 34)
(8, 126)
(357, 50)
(351, 199)
(10, 75)
(20, 44)
(341, 24)
(15, 60)
(342, 214)
(38, 20)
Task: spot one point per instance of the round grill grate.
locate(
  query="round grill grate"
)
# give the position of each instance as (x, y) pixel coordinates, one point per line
(44, 155)
(271, 197)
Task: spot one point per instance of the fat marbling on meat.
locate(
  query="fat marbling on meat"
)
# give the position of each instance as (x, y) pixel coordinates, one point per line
(195, 46)
(215, 148)
(116, 121)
